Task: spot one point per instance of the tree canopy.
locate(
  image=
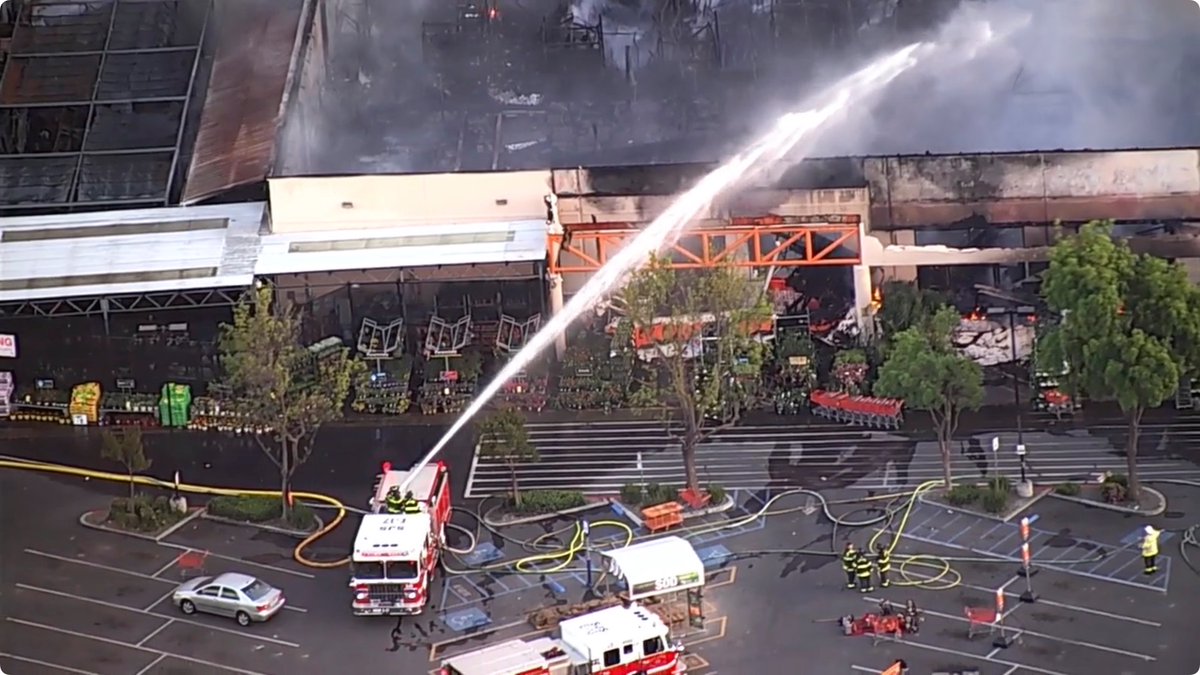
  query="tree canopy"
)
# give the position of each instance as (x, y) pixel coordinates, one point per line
(274, 383)
(705, 364)
(124, 446)
(905, 306)
(1129, 327)
(925, 370)
(503, 436)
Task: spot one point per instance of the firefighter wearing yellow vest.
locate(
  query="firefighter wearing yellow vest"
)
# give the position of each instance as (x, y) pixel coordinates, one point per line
(862, 568)
(883, 563)
(1150, 549)
(849, 557)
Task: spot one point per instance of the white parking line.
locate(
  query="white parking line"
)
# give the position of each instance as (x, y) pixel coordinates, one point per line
(1044, 636)
(864, 669)
(190, 622)
(151, 665)
(118, 643)
(160, 599)
(47, 664)
(1053, 603)
(1012, 670)
(240, 561)
(156, 631)
(139, 575)
(968, 655)
(169, 565)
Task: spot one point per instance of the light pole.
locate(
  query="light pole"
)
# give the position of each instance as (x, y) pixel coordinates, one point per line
(1016, 381)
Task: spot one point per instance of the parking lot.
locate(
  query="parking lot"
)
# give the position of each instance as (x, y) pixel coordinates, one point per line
(99, 603)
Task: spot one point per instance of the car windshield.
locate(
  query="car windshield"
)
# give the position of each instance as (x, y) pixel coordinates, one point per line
(257, 590)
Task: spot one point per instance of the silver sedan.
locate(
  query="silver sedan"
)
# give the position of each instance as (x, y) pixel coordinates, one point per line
(237, 596)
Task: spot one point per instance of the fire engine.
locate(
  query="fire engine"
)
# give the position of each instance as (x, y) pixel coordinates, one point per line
(395, 554)
(621, 640)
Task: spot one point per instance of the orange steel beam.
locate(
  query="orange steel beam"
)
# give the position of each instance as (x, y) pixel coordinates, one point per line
(586, 249)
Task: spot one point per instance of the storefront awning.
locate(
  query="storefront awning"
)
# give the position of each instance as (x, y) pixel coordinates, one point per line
(657, 566)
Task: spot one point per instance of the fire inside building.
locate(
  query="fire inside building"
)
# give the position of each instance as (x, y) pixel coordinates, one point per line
(161, 157)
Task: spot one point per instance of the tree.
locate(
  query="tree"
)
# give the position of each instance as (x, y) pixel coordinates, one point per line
(275, 384)
(503, 436)
(705, 365)
(1129, 329)
(925, 371)
(905, 306)
(125, 447)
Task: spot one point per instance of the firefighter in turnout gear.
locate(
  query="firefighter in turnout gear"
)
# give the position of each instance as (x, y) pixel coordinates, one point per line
(395, 504)
(1150, 549)
(862, 569)
(883, 563)
(849, 558)
(410, 504)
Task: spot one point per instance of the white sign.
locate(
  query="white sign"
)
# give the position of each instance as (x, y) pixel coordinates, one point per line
(995, 444)
(79, 420)
(1021, 450)
(8, 346)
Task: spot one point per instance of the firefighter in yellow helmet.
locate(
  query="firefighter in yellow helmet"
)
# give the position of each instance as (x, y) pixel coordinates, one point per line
(1150, 549)
(849, 557)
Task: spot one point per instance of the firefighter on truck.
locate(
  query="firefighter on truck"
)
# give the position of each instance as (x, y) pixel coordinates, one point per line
(399, 541)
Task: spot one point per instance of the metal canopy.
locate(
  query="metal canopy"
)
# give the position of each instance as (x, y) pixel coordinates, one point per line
(143, 302)
(93, 98)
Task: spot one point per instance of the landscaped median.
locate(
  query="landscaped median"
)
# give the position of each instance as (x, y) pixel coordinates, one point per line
(265, 512)
(141, 516)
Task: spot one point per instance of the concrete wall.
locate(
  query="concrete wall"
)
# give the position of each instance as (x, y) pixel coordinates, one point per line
(363, 202)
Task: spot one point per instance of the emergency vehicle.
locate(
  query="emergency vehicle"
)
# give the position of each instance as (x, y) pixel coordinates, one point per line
(621, 640)
(395, 554)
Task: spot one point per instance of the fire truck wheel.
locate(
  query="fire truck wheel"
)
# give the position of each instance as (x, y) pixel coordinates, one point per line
(187, 607)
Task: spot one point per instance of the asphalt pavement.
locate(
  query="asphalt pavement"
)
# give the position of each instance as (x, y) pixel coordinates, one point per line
(601, 456)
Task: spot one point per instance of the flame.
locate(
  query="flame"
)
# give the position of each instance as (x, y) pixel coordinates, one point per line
(876, 299)
(975, 315)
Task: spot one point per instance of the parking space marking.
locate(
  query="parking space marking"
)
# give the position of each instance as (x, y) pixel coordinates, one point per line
(169, 565)
(163, 597)
(99, 566)
(190, 622)
(166, 624)
(139, 575)
(118, 643)
(968, 655)
(240, 561)
(1050, 603)
(151, 665)
(1044, 636)
(1012, 670)
(46, 664)
(864, 669)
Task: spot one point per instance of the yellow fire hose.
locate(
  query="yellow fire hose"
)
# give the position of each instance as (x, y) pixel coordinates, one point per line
(297, 553)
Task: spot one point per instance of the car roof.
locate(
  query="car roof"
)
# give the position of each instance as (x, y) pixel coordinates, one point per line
(234, 580)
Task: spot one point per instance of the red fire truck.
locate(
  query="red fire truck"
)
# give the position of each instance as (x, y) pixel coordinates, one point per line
(395, 554)
(615, 641)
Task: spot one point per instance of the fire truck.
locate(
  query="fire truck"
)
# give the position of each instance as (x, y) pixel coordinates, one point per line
(395, 554)
(621, 640)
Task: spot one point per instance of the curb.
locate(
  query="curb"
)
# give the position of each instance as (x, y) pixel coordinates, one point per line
(983, 514)
(1157, 511)
(156, 538)
(295, 534)
(709, 510)
(490, 522)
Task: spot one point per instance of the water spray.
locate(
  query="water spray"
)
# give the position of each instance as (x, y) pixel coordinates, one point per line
(793, 132)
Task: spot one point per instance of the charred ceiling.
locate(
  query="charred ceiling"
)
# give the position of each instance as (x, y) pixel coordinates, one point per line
(93, 98)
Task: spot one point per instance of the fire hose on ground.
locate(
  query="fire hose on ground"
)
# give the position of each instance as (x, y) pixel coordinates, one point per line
(544, 559)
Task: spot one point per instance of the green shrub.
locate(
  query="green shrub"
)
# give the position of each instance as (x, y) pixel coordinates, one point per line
(994, 501)
(717, 493)
(1069, 489)
(963, 495)
(660, 494)
(999, 484)
(539, 502)
(143, 513)
(1114, 492)
(632, 494)
(259, 509)
(1117, 479)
